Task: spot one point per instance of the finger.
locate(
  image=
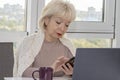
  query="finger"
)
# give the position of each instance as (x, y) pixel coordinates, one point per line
(70, 67)
(65, 67)
(64, 59)
(64, 70)
(58, 63)
(67, 71)
(61, 57)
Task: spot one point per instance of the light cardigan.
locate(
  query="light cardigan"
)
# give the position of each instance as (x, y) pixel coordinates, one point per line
(29, 49)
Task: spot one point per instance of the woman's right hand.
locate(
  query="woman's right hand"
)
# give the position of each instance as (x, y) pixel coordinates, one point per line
(58, 63)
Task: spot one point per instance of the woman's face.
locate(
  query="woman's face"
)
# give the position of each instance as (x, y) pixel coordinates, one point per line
(56, 27)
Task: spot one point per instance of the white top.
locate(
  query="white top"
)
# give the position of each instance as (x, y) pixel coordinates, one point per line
(29, 49)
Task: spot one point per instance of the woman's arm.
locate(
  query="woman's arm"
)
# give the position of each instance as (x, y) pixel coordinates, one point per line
(28, 72)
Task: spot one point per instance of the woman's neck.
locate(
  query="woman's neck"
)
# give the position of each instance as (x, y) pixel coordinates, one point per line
(50, 39)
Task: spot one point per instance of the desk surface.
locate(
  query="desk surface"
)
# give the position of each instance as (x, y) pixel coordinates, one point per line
(19, 78)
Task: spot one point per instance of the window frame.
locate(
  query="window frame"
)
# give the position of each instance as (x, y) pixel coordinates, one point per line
(116, 40)
(104, 27)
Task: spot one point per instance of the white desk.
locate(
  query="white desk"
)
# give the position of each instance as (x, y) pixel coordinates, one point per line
(20, 78)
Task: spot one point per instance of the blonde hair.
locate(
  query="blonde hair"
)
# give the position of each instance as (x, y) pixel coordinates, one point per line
(59, 8)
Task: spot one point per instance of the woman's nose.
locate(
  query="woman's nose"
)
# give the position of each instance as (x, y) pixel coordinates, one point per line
(62, 27)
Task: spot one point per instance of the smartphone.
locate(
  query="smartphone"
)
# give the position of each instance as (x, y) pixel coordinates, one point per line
(70, 61)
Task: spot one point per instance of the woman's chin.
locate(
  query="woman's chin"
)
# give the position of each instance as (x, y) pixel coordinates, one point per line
(59, 37)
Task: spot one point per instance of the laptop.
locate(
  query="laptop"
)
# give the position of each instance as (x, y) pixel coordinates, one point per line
(6, 59)
(97, 64)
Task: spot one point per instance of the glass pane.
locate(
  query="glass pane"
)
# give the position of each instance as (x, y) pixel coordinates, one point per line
(12, 15)
(87, 10)
(92, 43)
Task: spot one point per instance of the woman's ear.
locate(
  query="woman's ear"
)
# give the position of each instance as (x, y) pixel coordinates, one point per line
(46, 21)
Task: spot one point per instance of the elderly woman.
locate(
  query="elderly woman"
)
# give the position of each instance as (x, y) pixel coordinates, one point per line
(48, 47)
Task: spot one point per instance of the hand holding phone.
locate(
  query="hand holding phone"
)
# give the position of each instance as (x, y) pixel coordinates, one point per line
(70, 61)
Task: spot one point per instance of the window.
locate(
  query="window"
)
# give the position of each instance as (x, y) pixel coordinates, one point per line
(94, 21)
(90, 40)
(12, 15)
(96, 18)
(94, 24)
(92, 43)
(12, 20)
(88, 10)
(93, 16)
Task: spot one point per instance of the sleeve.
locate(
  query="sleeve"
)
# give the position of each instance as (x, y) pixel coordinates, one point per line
(20, 51)
(58, 74)
(28, 72)
(16, 56)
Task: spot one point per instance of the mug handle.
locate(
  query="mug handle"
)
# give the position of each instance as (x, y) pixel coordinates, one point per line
(34, 73)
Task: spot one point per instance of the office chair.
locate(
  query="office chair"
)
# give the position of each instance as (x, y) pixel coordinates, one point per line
(6, 59)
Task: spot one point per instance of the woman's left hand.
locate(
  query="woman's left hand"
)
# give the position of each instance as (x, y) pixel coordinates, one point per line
(58, 63)
(67, 69)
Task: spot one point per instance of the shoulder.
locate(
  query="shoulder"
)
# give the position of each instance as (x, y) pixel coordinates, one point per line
(68, 44)
(27, 43)
(31, 37)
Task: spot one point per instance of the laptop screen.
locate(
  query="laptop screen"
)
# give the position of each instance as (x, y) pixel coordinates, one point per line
(6, 59)
(97, 64)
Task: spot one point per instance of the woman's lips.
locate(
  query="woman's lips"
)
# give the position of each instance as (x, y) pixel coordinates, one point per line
(59, 34)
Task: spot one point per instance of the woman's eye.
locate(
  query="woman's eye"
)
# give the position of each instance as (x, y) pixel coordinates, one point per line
(67, 25)
(58, 22)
